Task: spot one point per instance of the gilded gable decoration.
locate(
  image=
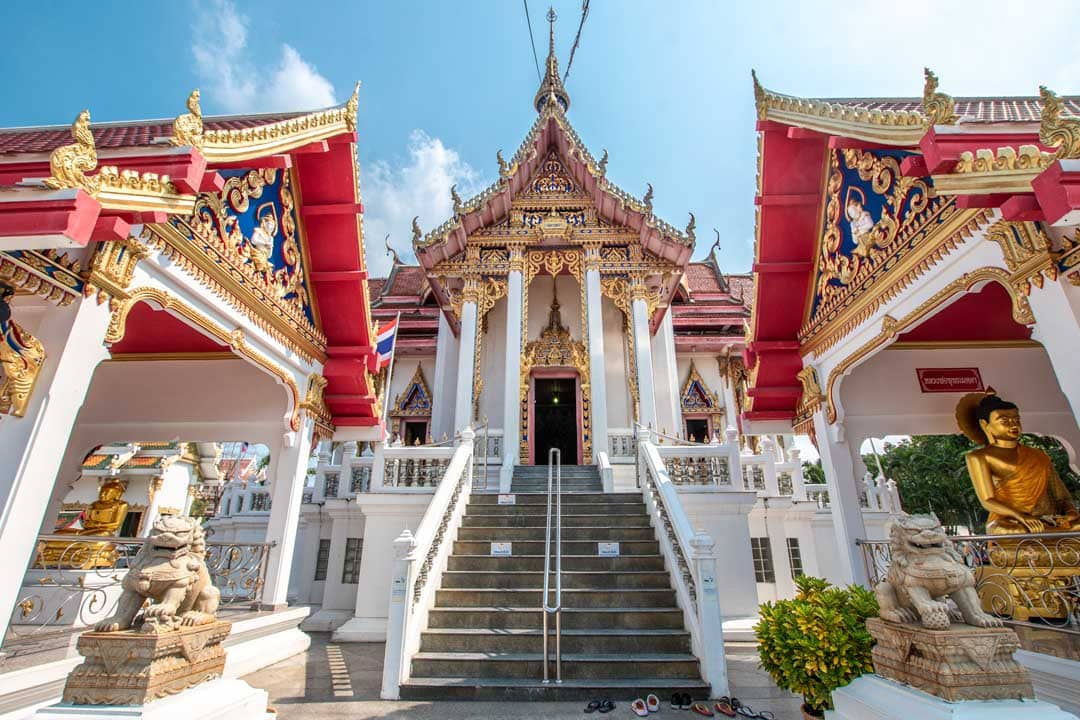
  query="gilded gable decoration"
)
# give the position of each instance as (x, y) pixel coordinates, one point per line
(1055, 130)
(938, 107)
(49, 274)
(415, 399)
(695, 396)
(188, 128)
(21, 357)
(315, 405)
(69, 164)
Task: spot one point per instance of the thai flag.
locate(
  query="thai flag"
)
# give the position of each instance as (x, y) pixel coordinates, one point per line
(384, 342)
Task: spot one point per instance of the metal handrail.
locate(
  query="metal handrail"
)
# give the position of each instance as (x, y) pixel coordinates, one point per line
(554, 472)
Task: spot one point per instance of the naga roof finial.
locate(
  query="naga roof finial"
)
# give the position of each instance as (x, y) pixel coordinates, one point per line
(647, 200)
(458, 205)
(391, 251)
(938, 107)
(690, 228)
(417, 233)
(551, 87)
(1056, 130)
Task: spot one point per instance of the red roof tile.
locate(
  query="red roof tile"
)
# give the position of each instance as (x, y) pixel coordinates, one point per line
(407, 280)
(375, 287)
(139, 133)
(701, 277)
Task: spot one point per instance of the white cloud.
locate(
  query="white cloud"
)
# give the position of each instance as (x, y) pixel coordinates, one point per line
(421, 186)
(233, 84)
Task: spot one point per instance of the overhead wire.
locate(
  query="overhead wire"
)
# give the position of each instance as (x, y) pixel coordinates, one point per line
(532, 42)
(577, 38)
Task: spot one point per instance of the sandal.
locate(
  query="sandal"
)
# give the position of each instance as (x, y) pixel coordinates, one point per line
(724, 707)
(592, 707)
(747, 712)
(702, 709)
(606, 706)
(639, 708)
(652, 703)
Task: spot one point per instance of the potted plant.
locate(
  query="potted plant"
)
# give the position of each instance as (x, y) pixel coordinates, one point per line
(818, 641)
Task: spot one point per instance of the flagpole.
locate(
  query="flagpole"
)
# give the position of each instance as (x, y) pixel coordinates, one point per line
(390, 370)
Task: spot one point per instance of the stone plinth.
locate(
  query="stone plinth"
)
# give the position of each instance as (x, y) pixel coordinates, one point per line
(215, 700)
(961, 663)
(133, 667)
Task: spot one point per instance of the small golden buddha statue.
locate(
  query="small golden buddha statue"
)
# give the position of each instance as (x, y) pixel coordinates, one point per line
(103, 517)
(1017, 484)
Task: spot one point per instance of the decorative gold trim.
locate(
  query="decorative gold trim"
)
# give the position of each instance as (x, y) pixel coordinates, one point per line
(961, 344)
(891, 327)
(889, 127)
(401, 399)
(235, 339)
(68, 164)
(985, 171)
(314, 405)
(21, 358)
(693, 376)
(1055, 130)
(938, 107)
(188, 128)
(1026, 250)
(28, 272)
(113, 266)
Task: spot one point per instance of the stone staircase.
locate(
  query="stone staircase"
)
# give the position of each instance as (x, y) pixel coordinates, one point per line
(623, 633)
(575, 479)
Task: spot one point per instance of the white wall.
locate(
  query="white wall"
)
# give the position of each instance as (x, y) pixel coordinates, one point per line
(493, 364)
(616, 372)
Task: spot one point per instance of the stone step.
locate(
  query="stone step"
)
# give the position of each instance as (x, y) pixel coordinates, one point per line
(574, 508)
(569, 547)
(571, 598)
(540, 498)
(573, 641)
(577, 488)
(540, 520)
(534, 579)
(591, 666)
(505, 616)
(571, 563)
(516, 689)
(519, 534)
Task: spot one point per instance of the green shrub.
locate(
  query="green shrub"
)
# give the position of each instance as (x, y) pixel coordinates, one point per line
(818, 641)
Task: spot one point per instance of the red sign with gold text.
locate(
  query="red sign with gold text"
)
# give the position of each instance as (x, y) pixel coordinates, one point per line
(937, 380)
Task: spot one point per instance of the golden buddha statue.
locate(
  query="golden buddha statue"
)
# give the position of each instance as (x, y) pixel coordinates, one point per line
(1023, 493)
(1017, 484)
(103, 517)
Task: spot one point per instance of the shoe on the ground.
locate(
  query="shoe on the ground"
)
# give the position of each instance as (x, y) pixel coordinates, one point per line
(724, 707)
(676, 701)
(606, 706)
(687, 701)
(702, 709)
(593, 706)
(652, 703)
(639, 708)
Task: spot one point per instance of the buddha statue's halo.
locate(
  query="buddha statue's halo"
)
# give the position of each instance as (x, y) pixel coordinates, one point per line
(966, 416)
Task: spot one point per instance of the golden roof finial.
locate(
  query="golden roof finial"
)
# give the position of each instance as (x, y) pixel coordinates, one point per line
(391, 251)
(417, 233)
(504, 167)
(1056, 131)
(938, 107)
(70, 163)
(551, 87)
(351, 106)
(690, 228)
(601, 167)
(458, 205)
(760, 104)
(188, 128)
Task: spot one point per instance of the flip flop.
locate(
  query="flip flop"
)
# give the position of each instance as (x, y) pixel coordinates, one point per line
(724, 707)
(592, 707)
(702, 709)
(639, 708)
(606, 706)
(747, 712)
(652, 703)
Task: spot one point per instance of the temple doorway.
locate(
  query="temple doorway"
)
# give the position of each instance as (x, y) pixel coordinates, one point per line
(556, 419)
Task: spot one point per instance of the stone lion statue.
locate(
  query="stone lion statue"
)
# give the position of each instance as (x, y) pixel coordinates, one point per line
(926, 571)
(170, 571)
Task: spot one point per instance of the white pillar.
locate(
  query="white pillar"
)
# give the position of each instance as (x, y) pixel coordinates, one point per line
(394, 661)
(511, 380)
(32, 447)
(466, 358)
(710, 614)
(643, 355)
(598, 400)
(442, 404)
(731, 409)
(838, 462)
(669, 406)
(336, 594)
(289, 469)
(1056, 307)
(152, 505)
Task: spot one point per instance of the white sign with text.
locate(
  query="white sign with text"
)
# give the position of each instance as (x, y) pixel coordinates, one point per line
(608, 549)
(501, 549)
(508, 499)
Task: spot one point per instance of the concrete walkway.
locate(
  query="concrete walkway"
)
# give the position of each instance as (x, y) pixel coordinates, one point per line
(342, 680)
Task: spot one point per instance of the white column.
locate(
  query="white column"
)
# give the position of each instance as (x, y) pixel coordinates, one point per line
(32, 447)
(466, 358)
(442, 404)
(669, 407)
(336, 594)
(152, 505)
(838, 462)
(643, 355)
(511, 380)
(1056, 307)
(598, 400)
(288, 467)
(731, 409)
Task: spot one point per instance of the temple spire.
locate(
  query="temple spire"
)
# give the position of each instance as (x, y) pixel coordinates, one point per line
(551, 86)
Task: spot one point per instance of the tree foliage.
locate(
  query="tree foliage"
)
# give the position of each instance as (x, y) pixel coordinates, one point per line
(931, 476)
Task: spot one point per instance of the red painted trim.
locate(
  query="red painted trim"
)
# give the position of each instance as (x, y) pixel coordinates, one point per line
(73, 217)
(1022, 207)
(970, 202)
(1058, 191)
(110, 228)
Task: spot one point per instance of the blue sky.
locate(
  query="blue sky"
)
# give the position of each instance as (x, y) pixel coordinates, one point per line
(663, 86)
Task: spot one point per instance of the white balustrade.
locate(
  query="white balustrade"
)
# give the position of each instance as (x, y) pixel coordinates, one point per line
(420, 562)
(690, 557)
(622, 446)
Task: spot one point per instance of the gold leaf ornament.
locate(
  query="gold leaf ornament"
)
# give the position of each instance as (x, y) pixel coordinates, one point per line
(938, 107)
(69, 164)
(1055, 130)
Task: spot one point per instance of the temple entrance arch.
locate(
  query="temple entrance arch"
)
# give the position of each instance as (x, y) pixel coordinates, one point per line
(556, 417)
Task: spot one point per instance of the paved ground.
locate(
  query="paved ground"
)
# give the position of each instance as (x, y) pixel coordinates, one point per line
(333, 680)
